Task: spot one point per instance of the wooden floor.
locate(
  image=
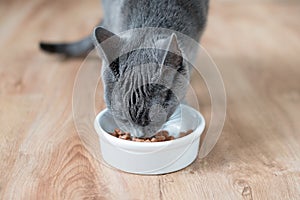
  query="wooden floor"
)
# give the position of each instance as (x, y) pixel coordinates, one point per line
(256, 45)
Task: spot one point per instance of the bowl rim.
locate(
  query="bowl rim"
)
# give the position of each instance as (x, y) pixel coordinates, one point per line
(127, 144)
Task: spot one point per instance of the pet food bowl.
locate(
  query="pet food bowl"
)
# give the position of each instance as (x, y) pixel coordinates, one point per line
(151, 157)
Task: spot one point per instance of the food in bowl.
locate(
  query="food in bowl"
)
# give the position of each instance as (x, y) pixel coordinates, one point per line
(160, 136)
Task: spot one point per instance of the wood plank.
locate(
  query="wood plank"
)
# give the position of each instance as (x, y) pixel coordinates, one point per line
(257, 157)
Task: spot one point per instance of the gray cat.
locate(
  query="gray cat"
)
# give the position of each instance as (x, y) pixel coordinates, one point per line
(140, 96)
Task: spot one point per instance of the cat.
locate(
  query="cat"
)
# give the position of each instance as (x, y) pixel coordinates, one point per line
(139, 104)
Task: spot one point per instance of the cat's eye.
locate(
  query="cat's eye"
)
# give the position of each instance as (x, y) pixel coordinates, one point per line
(114, 66)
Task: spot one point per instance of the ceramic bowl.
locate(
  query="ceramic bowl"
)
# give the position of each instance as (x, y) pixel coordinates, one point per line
(151, 157)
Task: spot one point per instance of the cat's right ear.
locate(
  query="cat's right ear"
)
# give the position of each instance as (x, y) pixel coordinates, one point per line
(108, 50)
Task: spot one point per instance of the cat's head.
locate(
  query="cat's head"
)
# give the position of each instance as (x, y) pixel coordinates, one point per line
(142, 87)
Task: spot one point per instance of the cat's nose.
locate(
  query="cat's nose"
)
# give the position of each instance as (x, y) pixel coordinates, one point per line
(143, 121)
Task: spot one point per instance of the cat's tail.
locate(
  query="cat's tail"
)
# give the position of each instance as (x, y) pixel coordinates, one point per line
(75, 49)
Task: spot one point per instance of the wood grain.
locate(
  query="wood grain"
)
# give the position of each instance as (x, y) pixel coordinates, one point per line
(256, 45)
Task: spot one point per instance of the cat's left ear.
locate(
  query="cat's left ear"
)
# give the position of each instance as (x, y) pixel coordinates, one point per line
(173, 56)
(108, 50)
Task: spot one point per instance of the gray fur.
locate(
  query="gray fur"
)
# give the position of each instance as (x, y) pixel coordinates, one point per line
(137, 85)
(185, 16)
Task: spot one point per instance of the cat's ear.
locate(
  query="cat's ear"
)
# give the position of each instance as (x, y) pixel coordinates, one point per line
(173, 56)
(173, 72)
(101, 34)
(108, 50)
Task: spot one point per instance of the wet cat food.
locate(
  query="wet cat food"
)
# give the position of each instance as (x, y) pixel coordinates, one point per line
(160, 136)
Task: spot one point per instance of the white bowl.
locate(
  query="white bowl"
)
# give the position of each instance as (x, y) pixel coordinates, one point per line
(150, 157)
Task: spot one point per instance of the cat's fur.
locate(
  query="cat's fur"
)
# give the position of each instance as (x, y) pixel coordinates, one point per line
(143, 98)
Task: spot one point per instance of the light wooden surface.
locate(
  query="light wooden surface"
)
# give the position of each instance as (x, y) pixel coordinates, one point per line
(256, 45)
